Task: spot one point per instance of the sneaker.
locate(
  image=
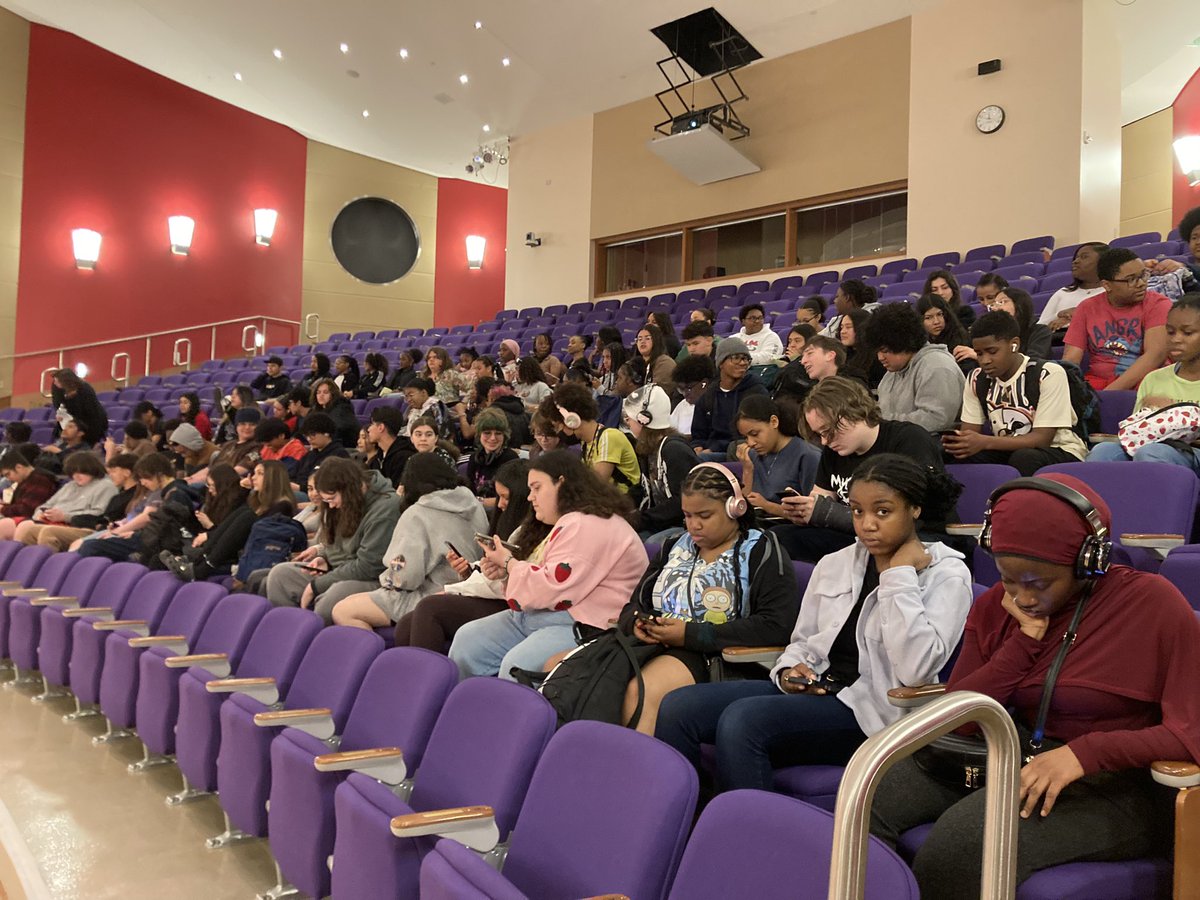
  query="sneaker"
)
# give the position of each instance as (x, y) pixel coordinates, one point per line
(179, 566)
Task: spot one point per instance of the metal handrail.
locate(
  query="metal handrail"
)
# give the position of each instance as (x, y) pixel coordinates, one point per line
(848, 863)
(122, 380)
(182, 359)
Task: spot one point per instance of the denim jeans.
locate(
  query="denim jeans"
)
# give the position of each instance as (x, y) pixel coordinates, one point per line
(756, 726)
(1111, 451)
(496, 644)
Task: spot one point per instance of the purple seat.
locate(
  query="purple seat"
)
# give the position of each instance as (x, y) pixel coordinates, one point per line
(39, 414)
(482, 750)
(761, 845)
(363, 336)
(990, 251)
(1183, 571)
(12, 414)
(1031, 257)
(300, 815)
(601, 306)
(1012, 271)
(274, 651)
(25, 629)
(719, 292)
(941, 260)
(1052, 281)
(1115, 406)
(1059, 264)
(572, 829)
(1133, 240)
(978, 481)
(47, 582)
(226, 631)
(861, 272)
(147, 602)
(1156, 249)
(328, 678)
(1028, 245)
(338, 336)
(896, 267)
(1125, 487)
(21, 573)
(186, 615)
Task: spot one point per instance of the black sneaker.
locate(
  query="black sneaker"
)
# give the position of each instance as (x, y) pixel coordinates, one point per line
(179, 566)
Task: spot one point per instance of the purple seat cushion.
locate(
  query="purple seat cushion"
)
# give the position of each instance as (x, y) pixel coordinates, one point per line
(817, 785)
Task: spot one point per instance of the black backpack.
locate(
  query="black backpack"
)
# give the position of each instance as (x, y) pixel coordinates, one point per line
(1084, 400)
(273, 539)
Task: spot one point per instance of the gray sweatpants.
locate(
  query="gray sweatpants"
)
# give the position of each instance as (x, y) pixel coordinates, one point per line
(287, 581)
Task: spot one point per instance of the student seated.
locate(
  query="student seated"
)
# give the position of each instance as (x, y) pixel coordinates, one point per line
(278, 443)
(150, 416)
(589, 565)
(704, 314)
(712, 423)
(792, 379)
(665, 457)
(73, 438)
(273, 382)
(1035, 338)
(1189, 233)
(532, 384)
(86, 493)
(122, 541)
(1177, 382)
(405, 371)
(125, 490)
(320, 369)
(699, 340)
(1086, 796)
(492, 432)
(191, 413)
(692, 376)
(652, 350)
(323, 444)
(298, 406)
(421, 400)
(434, 621)
(946, 286)
(1085, 283)
(886, 611)
(32, 487)
(136, 441)
(392, 450)
(543, 352)
(862, 362)
(449, 383)
(361, 509)
(328, 399)
(435, 509)
(851, 294)
(346, 375)
(374, 376)
(545, 436)
(241, 453)
(811, 311)
(774, 463)
(1028, 432)
(722, 583)
(764, 344)
(224, 492)
(1123, 331)
(923, 384)
(943, 327)
(840, 414)
(988, 286)
(510, 352)
(823, 357)
(606, 451)
(425, 440)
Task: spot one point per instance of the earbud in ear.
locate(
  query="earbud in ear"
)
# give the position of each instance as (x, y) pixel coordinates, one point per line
(1014, 346)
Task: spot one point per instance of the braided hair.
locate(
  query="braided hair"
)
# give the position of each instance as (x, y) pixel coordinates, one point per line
(935, 492)
(707, 482)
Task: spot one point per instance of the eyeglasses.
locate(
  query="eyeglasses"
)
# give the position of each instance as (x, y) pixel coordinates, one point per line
(826, 436)
(753, 317)
(738, 357)
(1140, 278)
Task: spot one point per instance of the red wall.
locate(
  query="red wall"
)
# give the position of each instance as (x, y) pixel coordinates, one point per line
(1186, 109)
(462, 295)
(114, 147)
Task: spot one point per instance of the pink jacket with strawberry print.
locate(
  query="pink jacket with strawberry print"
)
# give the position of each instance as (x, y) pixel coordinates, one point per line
(589, 567)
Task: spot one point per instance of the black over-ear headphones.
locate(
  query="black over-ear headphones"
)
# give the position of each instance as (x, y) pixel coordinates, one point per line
(1096, 551)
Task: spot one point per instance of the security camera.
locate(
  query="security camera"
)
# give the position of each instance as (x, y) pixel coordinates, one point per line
(532, 240)
(470, 168)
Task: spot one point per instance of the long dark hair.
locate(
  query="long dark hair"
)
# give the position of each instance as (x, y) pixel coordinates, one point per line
(347, 477)
(518, 513)
(657, 345)
(953, 334)
(228, 494)
(580, 489)
(194, 410)
(935, 492)
(323, 367)
(955, 291)
(860, 356)
(276, 493)
(1025, 317)
(425, 473)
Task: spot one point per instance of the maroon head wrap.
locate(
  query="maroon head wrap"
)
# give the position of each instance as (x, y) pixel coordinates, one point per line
(1035, 524)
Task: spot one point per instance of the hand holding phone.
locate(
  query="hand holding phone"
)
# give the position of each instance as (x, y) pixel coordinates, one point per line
(485, 541)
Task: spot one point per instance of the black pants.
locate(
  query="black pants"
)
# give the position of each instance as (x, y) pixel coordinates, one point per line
(1106, 816)
(435, 620)
(1026, 461)
(805, 543)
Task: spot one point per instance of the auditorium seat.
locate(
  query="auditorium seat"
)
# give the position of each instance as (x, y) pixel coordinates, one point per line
(898, 267)
(1053, 281)
(1038, 244)
(1129, 241)
(48, 571)
(1156, 250)
(860, 272)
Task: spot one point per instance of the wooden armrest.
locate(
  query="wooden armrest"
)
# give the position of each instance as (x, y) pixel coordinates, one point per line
(384, 764)
(217, 663)
(139, 625)
(910, 697)
(317, 722)
(963, 529)
(25, 592)
(764, 655)
(474, 826)
(1176, 774)
(1099, 438)
(54, 601)
(99, 612)
(264, 690)
(160, 640)
(4, 585)
(1140, 539)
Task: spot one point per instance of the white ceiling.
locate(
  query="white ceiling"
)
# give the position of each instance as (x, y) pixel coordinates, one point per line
(568, 58)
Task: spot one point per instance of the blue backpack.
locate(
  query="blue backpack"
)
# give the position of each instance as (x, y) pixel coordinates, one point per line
(273, 540)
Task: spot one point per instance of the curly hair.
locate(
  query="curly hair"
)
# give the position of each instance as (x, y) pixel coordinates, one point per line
(896, 327)
(572, 397)
(1188, 224)
(579, 488)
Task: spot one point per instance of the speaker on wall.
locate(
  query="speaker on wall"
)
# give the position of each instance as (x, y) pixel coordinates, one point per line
(375, 240)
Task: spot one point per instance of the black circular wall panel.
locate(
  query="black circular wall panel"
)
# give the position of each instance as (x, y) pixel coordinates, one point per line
(375, 240)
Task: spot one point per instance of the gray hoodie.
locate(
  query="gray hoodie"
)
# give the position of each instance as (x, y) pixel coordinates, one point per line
(927, 392)
(451, 516)
(360, 556)
(89, 500)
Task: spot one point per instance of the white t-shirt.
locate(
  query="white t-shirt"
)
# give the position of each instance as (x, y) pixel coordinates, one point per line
(765, 346)
(1012, 415)
(1065, 299)
(681, 417)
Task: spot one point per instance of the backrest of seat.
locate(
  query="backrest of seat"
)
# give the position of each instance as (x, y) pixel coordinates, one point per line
(486, 744)
(150, 597)
(190, 608)
(1149, 497)
(1183, 571)
(383, 716)
(607, 812)
(8, 551)
(84, 577)
(332, 670)
(54, 571)
(978, 481)
(748, 843)
(115, 586)
(25, 565)
(230, 625)
(278, 644)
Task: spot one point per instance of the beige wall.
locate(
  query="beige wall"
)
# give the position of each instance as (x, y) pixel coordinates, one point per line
(14, 60)
(550, 194)
(968, 189)
(826, 119)
(334, 178)
(1147, 167)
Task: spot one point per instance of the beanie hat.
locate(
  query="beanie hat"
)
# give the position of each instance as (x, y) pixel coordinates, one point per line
(653, 400)
(248, 414)
(512, 345)
(731, 346)
(186, 436)
(492, 420)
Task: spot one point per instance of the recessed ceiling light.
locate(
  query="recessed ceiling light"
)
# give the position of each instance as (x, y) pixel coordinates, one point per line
(478, 24)
(463, 79)
(487, 128)
(237, 75)
(403, 53)
(366, 114)
(277, 53)
(506, 62)
(344, 47)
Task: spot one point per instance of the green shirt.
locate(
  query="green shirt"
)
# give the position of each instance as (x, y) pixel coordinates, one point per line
(611, 446)
(1165, 382)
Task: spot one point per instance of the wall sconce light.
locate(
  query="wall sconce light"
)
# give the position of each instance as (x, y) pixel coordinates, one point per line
(475, 248)
(1187, 151)
(264, 225)
(87, 247)
(81, 369)
(181, 229)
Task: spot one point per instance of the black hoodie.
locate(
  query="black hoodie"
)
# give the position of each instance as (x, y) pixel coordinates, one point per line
(712, 423)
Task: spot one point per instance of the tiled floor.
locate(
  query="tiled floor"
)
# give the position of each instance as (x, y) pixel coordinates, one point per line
(99, 832)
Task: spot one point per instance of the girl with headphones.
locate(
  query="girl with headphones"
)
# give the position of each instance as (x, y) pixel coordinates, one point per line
(666, 459)
(1093, 711)
(886, 611)
(722, 583)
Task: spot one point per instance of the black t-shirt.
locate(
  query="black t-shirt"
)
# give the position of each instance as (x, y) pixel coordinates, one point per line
(907, 439)
(843, 654)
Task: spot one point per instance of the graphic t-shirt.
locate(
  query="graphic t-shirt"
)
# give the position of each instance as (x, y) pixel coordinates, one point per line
(1012, 414)
(1113, 336)
(688, 588)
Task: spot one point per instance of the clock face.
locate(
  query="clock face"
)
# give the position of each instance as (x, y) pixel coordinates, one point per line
(989, 119)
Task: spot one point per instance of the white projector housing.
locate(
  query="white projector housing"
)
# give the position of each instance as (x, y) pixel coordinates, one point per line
(702, 155)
